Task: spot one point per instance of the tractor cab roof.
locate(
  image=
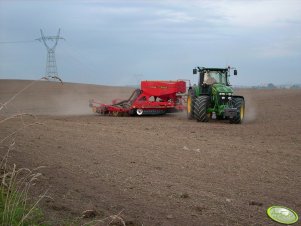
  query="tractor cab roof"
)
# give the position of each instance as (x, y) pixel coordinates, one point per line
(212, 69)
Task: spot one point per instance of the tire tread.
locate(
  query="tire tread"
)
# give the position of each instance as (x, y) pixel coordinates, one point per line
(200, 108)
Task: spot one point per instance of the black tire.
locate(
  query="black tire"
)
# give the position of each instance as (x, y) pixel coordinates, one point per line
(132, 112)
(238, 103)
(201, 104)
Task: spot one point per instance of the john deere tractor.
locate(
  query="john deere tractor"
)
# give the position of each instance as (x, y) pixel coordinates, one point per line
(213, 97)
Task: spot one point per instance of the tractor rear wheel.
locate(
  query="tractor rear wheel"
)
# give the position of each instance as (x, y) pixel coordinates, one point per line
(239, 104)
(200, 108)
(190, 106)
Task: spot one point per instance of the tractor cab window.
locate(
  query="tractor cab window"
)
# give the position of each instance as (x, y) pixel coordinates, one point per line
(209, 79)
(212, 77)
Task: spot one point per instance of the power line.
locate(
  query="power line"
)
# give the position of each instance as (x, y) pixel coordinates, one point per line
(13, 42)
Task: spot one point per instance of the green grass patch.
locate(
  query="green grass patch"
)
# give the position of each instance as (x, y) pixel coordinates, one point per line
(16, 208)
(14, 211)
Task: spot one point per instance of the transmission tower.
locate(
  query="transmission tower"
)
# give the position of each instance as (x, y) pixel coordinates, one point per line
(51, 69)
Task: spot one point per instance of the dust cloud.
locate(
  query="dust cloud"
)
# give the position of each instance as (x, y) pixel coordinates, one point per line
(250, 106)
(251, 112)
(52, 98)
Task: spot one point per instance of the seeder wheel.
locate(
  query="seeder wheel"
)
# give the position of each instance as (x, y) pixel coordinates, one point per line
(139, 112)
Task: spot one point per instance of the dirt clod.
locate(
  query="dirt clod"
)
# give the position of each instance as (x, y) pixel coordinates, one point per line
(89, 214)
(184, 195)
(169, 216)
(255, 203)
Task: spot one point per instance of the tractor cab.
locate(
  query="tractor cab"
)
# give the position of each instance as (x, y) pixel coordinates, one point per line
(212, 77)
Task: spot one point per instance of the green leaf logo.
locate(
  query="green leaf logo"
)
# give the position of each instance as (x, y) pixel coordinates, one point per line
(282, 215)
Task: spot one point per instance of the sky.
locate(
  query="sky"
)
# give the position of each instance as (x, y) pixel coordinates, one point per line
(120, 42)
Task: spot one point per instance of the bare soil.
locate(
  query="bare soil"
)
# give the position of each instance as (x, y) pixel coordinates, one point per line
(163, 170)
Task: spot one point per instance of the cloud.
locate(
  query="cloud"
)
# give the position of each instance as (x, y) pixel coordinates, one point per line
(282, 48)
(174, 16)
(113, 10)
(259, 13)
(245, 14)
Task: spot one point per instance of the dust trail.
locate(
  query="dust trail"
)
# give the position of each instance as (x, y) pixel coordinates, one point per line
(250, 105)
(50, 98)
(74, 100)
(251, 112)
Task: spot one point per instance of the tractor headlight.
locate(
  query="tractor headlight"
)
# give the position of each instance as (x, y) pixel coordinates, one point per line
(223, 98)
(222, 93)
(229, 98)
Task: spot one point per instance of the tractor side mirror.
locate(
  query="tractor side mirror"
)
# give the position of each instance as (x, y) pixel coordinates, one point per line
(235, 72)
(194, 71)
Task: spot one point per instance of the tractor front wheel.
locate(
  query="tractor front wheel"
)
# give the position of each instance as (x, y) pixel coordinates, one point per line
(200, 108)
(239, 104)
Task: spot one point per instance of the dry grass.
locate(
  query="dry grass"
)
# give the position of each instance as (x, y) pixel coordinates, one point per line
(16, 208)
(15, 185)
(111, 220)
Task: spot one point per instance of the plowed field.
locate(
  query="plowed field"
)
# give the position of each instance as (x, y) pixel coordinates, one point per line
(164, 170)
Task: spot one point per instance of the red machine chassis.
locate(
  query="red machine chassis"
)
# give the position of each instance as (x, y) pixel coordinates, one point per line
(154, 97)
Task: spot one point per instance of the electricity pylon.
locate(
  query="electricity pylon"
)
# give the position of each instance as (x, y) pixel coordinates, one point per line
(51, 68)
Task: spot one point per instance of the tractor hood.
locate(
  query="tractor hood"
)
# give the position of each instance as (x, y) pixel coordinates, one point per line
(221, 88)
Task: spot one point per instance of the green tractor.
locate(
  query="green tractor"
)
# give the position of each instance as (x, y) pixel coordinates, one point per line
(213, 97)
